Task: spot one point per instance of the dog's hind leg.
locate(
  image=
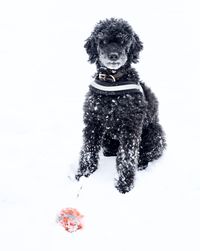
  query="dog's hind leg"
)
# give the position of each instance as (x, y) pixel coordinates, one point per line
(152, 144)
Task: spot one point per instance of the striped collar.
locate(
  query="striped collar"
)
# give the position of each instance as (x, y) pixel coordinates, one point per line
(116, 88)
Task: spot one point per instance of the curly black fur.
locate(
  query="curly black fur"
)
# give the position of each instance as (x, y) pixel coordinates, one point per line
(109, 30)
(124, 125)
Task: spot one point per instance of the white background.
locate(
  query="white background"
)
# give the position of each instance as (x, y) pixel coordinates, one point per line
(44, 75)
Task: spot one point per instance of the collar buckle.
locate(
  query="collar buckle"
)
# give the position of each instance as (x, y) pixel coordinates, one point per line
(104, 77)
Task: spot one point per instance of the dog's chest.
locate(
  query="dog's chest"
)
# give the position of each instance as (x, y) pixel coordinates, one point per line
(110, 111)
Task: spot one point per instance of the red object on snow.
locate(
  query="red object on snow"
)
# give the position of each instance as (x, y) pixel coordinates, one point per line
(70, 219)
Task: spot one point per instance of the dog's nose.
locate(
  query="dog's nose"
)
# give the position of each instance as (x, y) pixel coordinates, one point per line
(113, 56)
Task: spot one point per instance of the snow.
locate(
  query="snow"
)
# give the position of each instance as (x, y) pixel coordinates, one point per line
(44, 75)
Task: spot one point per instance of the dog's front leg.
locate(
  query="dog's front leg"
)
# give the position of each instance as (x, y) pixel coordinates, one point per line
(92, 137)
(127, 160)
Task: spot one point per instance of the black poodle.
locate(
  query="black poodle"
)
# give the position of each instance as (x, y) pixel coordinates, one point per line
(120, 112)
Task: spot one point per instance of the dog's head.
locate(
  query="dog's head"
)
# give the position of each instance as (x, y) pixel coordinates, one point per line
(113, 43)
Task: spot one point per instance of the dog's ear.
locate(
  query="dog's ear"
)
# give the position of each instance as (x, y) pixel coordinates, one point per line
(135, 48)
(91, 49)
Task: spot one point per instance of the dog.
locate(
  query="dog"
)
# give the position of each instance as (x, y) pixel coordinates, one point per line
(120, 111)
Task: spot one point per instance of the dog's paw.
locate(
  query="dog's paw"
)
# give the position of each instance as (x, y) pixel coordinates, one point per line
(78, 176)
(124, 186)
(142, 165)
(86, 173)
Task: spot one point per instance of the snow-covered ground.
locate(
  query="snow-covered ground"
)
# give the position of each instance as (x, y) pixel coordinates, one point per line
(44, 75)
